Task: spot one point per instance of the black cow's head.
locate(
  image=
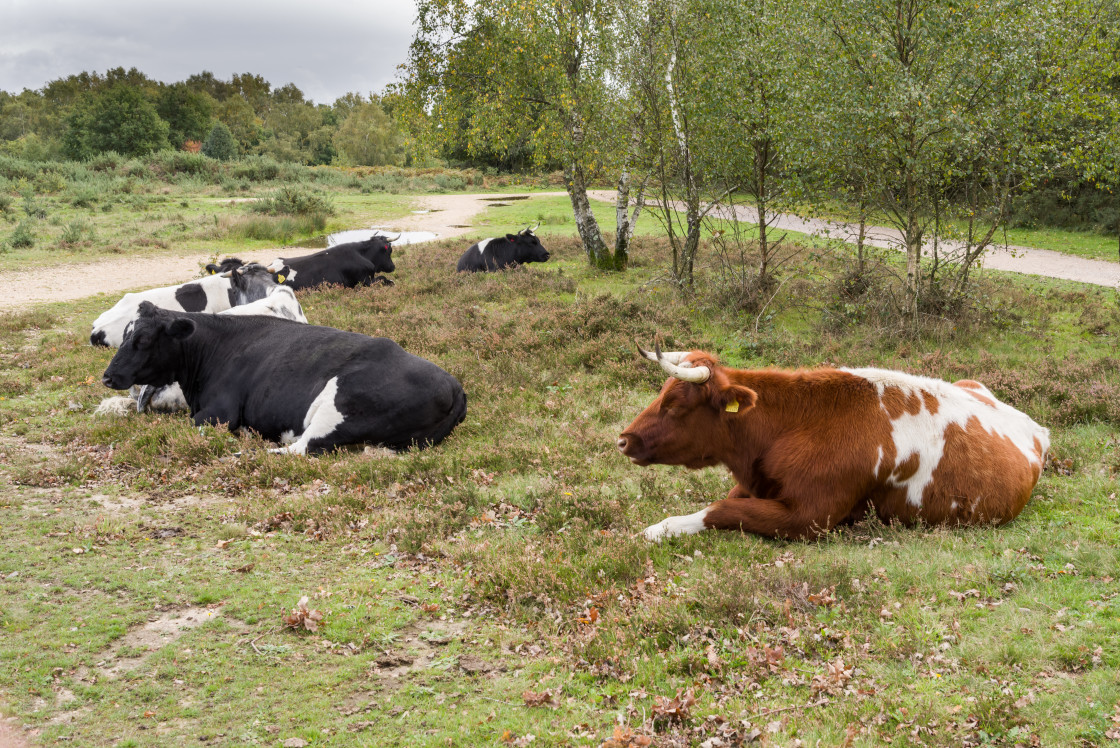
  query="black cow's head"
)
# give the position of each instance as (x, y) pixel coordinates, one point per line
(527, 247)
(379, 250)
(254, 281)
(148, 355)
(226, 265)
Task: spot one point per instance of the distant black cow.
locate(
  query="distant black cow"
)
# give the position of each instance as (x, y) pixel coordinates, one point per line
(311, 388)
(503, 252)
(351, 264)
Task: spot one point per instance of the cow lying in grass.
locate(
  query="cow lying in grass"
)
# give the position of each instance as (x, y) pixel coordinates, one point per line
(254, 291)
(311, 388)
(811, 449)
(350, 265)
(499, 253)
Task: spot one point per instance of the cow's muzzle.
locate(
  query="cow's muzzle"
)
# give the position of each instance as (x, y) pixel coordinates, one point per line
(98, 338)
(631, 446)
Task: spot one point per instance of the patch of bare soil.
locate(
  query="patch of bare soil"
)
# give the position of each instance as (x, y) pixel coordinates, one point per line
(11, 735)
(157, 633)
(447, 216)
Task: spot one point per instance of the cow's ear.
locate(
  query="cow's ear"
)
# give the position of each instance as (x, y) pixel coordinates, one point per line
(148, 309)
(282, 274)
(734, 398)
(181, 329)
(211, 268)
(511, 237)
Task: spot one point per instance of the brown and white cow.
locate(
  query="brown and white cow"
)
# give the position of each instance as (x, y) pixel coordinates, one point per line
(810, 449)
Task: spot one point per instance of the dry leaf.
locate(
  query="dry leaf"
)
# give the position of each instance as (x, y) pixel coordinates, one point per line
(544, 698)
(677, 709)
(303, 617)
(626, 738)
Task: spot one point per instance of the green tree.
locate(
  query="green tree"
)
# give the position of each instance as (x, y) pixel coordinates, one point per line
(118, 119)
(937, 109)
(367, 137)
(219, 143)
(534, 72)
(187, 112)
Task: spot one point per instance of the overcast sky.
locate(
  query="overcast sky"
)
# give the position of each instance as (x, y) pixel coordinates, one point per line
(326, 47)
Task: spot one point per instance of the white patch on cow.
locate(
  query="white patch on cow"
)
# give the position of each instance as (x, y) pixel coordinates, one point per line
(878, 461)
(923, 433)
(169, 399)
(321, 419)
(116, 321)
(689, 524)
(287, 437)
(281, 302)
(482, 245)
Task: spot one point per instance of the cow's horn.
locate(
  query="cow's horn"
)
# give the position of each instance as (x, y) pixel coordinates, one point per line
(398, 236)
(670, 361)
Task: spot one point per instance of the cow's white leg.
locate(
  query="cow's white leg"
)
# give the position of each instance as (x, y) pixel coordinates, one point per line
(322, 418)
(689, 524)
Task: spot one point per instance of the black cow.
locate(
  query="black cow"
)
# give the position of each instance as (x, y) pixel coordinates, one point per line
(312, 388)
(503, 252)
(351, 264)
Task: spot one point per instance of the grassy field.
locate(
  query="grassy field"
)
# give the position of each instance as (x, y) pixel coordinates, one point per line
(491, 591)
(176, 203)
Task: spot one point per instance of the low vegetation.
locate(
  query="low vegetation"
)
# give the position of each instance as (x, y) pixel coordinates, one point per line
(165, 584)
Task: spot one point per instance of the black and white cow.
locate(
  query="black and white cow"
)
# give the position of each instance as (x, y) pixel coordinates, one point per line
(312, 388)
(254, 291)
(351, 264)
(210, 294)
(499, 253)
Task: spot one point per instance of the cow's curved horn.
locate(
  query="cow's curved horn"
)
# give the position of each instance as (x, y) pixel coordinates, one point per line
(670, 362)
(398, 236)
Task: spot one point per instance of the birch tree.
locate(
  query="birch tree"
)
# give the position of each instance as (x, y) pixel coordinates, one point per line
(536, 70)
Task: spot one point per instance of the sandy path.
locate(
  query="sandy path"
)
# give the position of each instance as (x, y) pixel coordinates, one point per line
(449, 216)
(1025, 260)
(11, 736)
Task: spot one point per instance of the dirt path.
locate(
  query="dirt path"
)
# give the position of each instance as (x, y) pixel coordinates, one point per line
(447, 216)
(1025, 260)
(452, 215)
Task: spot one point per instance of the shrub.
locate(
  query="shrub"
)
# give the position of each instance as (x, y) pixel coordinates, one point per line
(83, 197)
(32, 208)
(219, 144)
(5, 202)
(22, 236)
(256, 169)
(293, 201)
(74, 232)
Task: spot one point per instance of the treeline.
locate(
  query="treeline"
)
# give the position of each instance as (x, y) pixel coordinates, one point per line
(124, 111)
(946, 119)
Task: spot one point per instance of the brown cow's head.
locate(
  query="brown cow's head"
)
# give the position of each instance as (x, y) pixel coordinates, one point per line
(688, 424)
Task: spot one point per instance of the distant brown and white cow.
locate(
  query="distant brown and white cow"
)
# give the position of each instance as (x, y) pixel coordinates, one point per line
(811, 449)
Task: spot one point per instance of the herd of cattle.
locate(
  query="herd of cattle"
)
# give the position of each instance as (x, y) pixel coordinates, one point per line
(808, 449)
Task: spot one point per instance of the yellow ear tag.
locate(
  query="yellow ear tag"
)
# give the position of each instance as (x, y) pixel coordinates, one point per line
(211, 272)
(279, 279)
(732, 407)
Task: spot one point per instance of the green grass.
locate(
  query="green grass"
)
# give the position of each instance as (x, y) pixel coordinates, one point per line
(456, 579)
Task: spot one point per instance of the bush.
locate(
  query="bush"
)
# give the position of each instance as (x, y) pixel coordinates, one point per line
(74, 232)
(22, 236)
(293, 201)
(219, 144)
(5, 203)
(256, 169)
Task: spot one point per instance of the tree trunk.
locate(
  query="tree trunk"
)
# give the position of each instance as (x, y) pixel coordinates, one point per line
(624, 219)
(912, 237)
(586, 225)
